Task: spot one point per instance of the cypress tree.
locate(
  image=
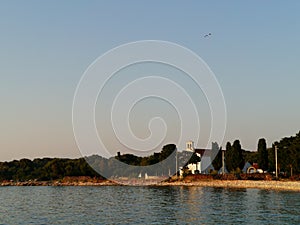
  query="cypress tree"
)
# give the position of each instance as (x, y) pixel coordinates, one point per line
(238, 158)
(263, 160)
(228, 157)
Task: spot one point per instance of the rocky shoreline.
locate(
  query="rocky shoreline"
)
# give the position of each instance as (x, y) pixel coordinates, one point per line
(57, 183)
(269, 185)
(66, 181)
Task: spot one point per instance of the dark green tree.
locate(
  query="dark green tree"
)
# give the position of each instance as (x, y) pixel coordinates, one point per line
(166, 151)
(217, 152)
(238, 158)
(167, 159)
(263, 160)
(228, 157)
(234, 156)
(289, 155)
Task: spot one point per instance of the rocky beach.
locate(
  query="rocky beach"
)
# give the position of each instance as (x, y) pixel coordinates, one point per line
(286, 185)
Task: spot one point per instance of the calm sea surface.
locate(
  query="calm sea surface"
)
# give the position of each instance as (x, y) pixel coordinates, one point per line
(147, 205)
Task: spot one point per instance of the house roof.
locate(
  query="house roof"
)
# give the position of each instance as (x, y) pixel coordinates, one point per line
(203, 151)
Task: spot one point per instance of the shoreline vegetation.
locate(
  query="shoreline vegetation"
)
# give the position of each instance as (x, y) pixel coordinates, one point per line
(158, 168)
(280, 185)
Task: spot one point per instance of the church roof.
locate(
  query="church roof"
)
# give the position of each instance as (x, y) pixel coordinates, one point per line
(202, 151)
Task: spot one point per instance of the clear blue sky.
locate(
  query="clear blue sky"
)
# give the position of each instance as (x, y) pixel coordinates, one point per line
(45, 46)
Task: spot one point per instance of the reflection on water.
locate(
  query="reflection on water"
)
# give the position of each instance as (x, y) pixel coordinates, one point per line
(146, 205)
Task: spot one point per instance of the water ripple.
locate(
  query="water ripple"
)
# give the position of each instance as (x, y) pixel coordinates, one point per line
(146, 205)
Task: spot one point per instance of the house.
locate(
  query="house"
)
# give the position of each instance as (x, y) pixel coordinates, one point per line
(203, 164)
(253, 168)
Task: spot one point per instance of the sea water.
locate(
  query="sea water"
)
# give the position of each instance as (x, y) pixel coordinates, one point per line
(147, 205)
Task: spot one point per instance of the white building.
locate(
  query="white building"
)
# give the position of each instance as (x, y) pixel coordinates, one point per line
(193, 167)
(204, 156)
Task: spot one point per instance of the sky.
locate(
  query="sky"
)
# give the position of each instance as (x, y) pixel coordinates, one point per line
(46, 46)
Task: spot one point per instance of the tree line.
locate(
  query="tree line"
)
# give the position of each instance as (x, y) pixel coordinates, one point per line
(46, 169)
(164, 162)
(288, 156)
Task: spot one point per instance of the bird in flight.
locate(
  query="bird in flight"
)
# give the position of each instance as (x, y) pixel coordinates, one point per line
(207, 35)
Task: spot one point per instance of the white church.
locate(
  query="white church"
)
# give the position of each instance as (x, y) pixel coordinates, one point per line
(204, 164)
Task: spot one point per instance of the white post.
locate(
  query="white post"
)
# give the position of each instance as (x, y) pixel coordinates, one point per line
(223, 162)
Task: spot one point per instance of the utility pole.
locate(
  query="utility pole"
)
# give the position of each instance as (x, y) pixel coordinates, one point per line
(223, 161)
(276, 170)
(176, 163)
